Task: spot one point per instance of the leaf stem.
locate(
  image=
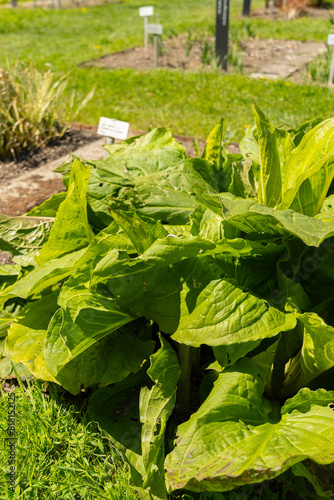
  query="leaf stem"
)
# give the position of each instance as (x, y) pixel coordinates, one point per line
(183, 388)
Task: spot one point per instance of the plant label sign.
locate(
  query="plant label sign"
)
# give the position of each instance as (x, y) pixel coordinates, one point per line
(146, 11)
(155, 29)
(113, 128)
(330, 40)
(246, 8)
(330, 43)
(222, 18)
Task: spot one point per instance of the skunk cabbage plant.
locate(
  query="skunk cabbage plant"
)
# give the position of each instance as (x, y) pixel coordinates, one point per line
(194, 296)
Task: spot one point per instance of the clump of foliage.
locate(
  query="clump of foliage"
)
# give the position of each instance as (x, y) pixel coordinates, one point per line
(33, 108)
(318, 69)
(195, 295)
(204, 42)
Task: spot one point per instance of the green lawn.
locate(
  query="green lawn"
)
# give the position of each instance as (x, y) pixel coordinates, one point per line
(188, 103)
(59, 456)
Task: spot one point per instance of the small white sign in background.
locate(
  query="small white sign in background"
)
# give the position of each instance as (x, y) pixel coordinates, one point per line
(146, 11)
(330, 40)
(113, 128)
(154, 29)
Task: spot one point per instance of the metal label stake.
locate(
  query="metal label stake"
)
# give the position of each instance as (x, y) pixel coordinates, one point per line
(145, 12)
(156, 30)
(246, 8)
(222, 18)
(330, 43)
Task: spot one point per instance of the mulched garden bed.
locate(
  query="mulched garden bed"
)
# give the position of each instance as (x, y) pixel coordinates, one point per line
(30, 160)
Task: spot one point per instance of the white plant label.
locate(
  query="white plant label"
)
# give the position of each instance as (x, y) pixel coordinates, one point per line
(113, 128)
(154, 29)
(330, 40)
(146, 11)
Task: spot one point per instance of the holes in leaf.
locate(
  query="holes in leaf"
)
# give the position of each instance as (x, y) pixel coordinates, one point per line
(101, 184)
(332, 406)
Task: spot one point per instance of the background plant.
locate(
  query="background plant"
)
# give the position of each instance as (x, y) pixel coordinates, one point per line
(196, 293)
(33, 108)
(318, 69)
(193, 108)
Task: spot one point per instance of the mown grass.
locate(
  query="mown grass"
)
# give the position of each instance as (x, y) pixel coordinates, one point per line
(188, 103)
(193, 105)
(60, 454)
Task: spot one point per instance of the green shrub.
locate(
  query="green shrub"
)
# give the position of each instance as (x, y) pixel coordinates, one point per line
(32, 108)
(318, 69)
(197, 294)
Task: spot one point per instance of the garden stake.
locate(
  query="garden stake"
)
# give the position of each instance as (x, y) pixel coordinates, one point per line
(109, 140)
(330, 43)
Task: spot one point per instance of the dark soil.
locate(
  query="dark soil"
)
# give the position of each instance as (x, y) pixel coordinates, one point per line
(30, 160)
(182, 53)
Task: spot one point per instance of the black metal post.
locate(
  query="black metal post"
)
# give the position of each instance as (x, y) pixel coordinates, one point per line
(222, 17)
(246, 8)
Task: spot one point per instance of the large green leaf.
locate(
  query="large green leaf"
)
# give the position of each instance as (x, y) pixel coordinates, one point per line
(296, 166)
(145, 290)
(49, 207)
(71, 230)
(207, 224)
(235, 439)
(116, 409)
(53, 272)
(84, 319)
(141, 232)
(23, 235)
(243, 182)
(167, 195)
(214, 149)
(315, 357)
(150, 284)
(42, 277)
(249, 147)
(9, 273)
(255, 218)
(273, 146)
(107, 361)
(155, 406)
(139, 430)
(234, 173)
(26, 336)
(221, 313)
(309, 170)
(159, 140)
(128, 161)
